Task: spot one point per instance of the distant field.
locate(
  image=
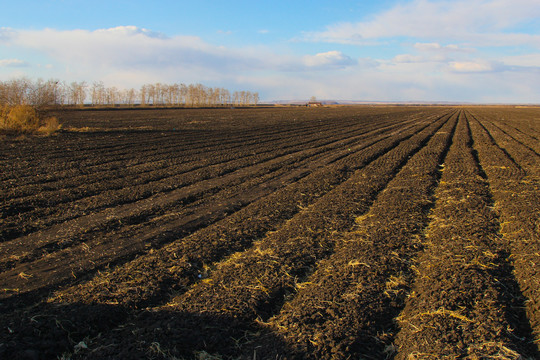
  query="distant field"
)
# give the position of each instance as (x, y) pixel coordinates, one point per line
(273, 233)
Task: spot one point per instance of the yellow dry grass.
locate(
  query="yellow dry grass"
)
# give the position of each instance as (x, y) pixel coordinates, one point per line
(23, 119)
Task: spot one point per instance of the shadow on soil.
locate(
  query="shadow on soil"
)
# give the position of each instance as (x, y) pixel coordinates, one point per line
(78, 331)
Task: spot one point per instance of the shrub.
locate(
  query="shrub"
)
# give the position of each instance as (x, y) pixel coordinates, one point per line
(22, 119)
(50, 125)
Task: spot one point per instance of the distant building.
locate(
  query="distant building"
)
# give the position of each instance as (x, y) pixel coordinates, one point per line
(314, 104)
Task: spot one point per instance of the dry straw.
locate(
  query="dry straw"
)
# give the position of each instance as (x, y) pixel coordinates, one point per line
(24, 119)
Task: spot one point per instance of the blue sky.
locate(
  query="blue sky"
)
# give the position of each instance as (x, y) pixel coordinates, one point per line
(483, 51)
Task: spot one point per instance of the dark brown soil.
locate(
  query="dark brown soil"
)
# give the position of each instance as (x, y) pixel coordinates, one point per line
(332, 233)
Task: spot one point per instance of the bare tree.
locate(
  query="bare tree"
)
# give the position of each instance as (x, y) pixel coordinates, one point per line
(98, 93)
(77, 93)
(41, 93)
(143, 95)
(25, 92)
(113, 95)
(151, 91)
(225, 97)
(255, 98)
(15, 92)
(61, 93)
(129, 96)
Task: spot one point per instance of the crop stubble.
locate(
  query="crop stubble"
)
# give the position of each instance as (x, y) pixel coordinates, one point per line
(303, 234)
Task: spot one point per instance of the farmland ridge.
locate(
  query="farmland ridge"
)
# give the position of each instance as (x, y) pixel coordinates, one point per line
(386, 232)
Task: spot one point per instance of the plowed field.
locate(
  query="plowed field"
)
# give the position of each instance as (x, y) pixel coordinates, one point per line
(273, 233)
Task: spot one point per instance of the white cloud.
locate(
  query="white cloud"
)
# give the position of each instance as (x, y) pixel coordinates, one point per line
(106, 53)
(478, 21)
(515, 64)
(130, 30)
(129, 47)
(424, 58)
(427, 46)
(6, 34)
(328, 59)
(472, 66)
(525, 61)
(436, 47)
(432, 52)
(407, 58)
(127, 56)
(13, 63)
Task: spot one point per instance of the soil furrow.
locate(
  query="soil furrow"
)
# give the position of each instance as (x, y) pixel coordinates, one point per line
(526, 121)
(521, 153)
(163, 145)
(205, 154)
(474, 312)
(226, 137)
(517, 198)
(208, 154)
(303, 233)
(264, 181)
(71, 209)
(251, 283)
(347, 307)
(528, 140)
(96, 161)
(232, 234)
(114, 215)
(150, 207)
(246, 225)
(109, 198)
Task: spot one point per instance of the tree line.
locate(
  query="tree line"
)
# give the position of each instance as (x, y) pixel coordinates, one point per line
(38, 93)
